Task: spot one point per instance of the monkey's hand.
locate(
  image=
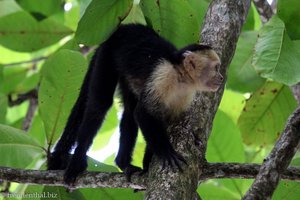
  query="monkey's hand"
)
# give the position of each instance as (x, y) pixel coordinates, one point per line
(172, 158)
(58, 161)
(77, 165)
(129, 170)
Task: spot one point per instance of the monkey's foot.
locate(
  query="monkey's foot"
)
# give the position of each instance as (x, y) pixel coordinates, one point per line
(58, 161)
(131, 169)
(173, 159)
(77, 166)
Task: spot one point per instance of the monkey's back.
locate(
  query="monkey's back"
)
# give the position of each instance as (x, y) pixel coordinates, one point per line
(136, 50)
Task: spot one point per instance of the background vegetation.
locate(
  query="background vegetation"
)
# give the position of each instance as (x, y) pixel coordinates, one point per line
(45, 47)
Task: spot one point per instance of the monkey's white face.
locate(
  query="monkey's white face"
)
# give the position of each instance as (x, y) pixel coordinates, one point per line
(203, 67)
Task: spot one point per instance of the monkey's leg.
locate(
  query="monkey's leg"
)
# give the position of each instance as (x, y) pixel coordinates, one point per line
(60, 157)
(128, 135)
(154, 132)
(128, 132)
(100, 98)
(147, 159)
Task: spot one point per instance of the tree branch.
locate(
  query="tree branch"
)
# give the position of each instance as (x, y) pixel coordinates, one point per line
(22, 97)
(33, 104)
(242, 171)
(118, 180)
(221, 29)
(277, 161)
(264, 10)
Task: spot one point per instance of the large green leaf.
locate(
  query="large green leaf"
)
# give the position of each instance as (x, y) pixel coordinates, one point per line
(265, 114)
(62, 78)
(101, 19)
(232, 104)
(21, 32)
(287, 190)
(225, 145)
(175, 21)
(241, 76)
(47, 8)
(225, 142)
(200, 8)
(288, 11)
(276, 56)
(17, 149)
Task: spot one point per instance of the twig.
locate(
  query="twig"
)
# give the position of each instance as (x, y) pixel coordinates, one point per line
(277, 161)
(264, 9)
(22, 97)
(33, 103)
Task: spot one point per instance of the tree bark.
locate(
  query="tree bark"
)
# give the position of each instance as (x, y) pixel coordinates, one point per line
(222, 27)
(278, 160)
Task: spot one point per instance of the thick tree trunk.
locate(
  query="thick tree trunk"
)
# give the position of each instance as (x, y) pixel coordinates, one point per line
(222, 27)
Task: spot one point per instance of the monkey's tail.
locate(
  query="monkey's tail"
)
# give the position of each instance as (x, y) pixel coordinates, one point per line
(59, 158)
(99, 83)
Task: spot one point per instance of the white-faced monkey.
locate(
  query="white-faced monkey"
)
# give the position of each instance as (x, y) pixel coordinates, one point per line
(157, 83)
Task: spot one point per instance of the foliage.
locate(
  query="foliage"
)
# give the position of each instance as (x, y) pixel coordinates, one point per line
(252, 114)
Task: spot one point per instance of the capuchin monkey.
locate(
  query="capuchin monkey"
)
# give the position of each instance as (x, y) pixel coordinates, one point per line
(157, 83)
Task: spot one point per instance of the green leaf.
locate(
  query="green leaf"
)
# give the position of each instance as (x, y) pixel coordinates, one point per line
(3, 108)
(1, 74)
(232, 104)
(215, 191)
(174, 21)
(12, 77)
(62, 78)
(288, 11)
(135, 15)
(225, 142)
(47, 8)
(17, 149)
(50, 192)
(100, 19)
(265, 114)
(250, 20)
(287, 190)
(295, 162)
(241, 76)
(112, 194)
(9, 56)
(72, 16)
(8, 6)
(200, 8)
(107, 129)
(21, 32)
(37, 130)
(276, 56)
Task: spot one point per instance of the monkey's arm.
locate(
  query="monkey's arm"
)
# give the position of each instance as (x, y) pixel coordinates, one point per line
(154, 132)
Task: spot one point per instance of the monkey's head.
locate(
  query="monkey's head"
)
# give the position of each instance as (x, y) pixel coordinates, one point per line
(201, 66)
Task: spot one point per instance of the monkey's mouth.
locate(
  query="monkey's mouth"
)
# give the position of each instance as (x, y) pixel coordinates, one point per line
(214, 85)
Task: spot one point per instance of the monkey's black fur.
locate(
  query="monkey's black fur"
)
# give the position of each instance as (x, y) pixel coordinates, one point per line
(132, 53)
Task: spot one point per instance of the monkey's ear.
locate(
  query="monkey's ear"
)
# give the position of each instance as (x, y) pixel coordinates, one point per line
(189, 60)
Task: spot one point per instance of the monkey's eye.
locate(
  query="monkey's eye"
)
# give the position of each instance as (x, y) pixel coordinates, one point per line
(217, 67)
